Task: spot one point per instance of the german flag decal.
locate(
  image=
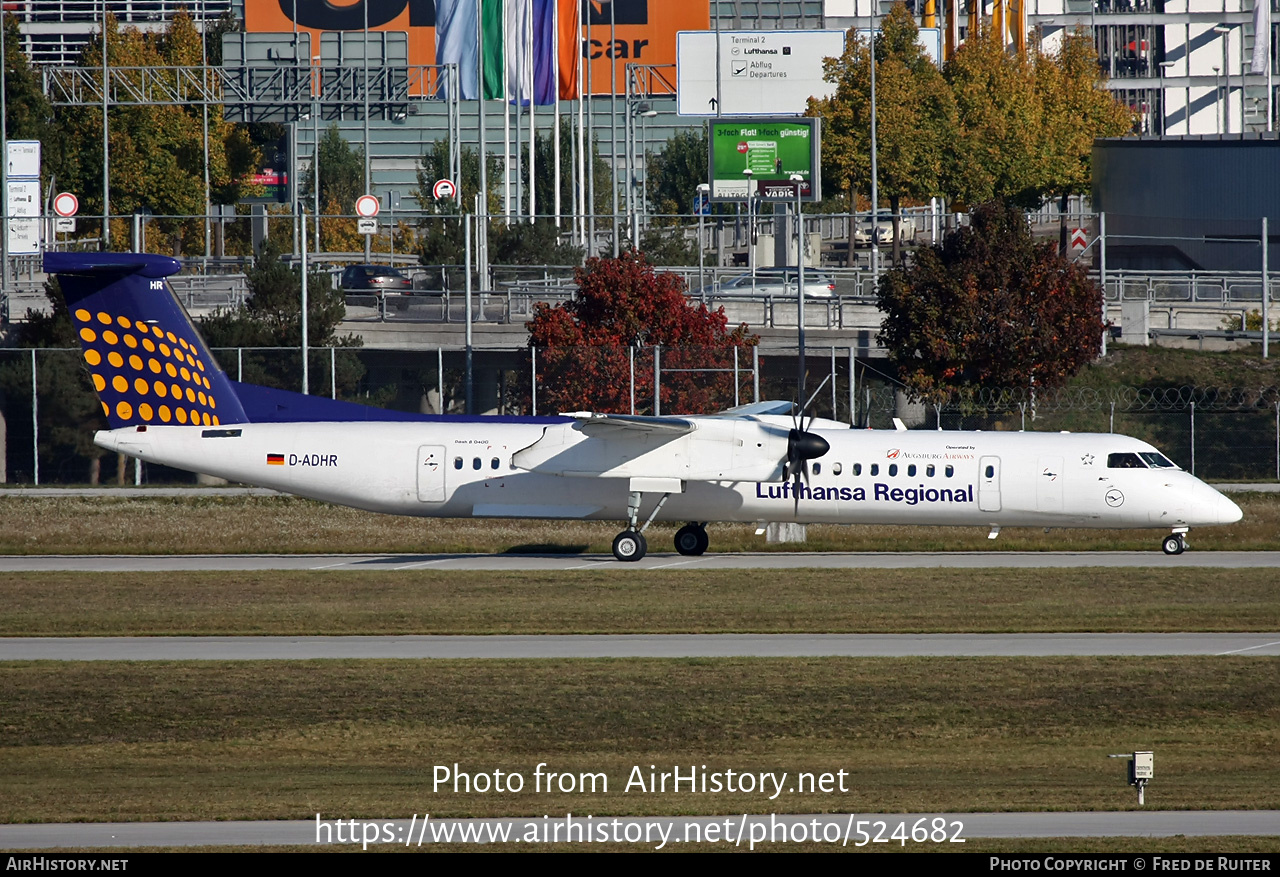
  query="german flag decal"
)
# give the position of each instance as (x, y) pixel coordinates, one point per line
(275, 459)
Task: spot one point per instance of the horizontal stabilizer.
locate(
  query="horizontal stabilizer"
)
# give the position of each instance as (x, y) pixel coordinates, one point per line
(144, 264)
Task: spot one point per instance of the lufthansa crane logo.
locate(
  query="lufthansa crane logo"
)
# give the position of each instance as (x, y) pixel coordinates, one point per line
(1114, 498)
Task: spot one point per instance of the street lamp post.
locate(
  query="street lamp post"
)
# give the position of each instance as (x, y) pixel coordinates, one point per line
(751, 230)
(1225, 32)
(1217, 96)
(875, 189)
(1164, 69)
(796, 180)
(700, 203)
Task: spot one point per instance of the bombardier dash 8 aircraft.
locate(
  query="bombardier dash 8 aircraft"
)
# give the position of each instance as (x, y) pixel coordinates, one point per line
(168, 402)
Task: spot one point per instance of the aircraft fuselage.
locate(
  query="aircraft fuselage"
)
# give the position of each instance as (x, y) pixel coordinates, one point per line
(467, 469)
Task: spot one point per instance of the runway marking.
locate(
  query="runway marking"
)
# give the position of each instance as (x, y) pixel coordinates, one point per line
(332, 565)
(1250, 648)
(422, 563)
(677, 563)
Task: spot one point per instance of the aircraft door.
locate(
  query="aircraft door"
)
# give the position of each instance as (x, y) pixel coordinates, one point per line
(431, 471)
(989, 484)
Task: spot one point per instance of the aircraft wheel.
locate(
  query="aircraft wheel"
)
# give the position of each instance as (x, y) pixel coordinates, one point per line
(1174, 544)
(629, 545)
(692, 540)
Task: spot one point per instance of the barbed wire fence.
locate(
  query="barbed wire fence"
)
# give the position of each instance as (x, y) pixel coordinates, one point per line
(1227, 433)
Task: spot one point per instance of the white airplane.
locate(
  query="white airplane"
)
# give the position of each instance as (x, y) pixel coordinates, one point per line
(168, 402)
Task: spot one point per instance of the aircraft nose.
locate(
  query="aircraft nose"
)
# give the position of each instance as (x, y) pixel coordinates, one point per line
(1228, 511)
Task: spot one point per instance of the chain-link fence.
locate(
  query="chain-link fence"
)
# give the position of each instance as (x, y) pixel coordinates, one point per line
(50, 412)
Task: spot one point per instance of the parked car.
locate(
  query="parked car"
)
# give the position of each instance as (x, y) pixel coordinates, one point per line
(778, 282)
(380, 278)
(883, 226)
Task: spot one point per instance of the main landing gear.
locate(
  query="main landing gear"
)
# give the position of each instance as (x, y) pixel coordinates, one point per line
(630, 544)
(1175, 542)
(692, 539)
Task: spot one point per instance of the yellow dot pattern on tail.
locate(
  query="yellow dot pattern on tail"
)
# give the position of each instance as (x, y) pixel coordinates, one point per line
(117, 371)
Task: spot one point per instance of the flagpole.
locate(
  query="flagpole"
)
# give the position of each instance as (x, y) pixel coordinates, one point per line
(555, 97)
(533, 121)
(581, 193)
(613, 124)
(591, 145)
(506, 117)
(484, 176)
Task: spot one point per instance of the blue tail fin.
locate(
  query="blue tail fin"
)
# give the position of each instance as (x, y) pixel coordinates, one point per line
(148, 362)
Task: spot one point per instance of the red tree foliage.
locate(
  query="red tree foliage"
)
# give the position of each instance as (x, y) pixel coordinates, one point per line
(989, 307)
(584, 345)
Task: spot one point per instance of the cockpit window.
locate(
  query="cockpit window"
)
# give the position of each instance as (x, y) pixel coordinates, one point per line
(1125, 461)
(1157, 461)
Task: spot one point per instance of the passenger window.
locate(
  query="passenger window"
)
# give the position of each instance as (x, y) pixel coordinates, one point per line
(475, 463)
(1125, 461)
(893, 470)
(457, 462)
(911, 471)
(857, 469)
(928, 470)
(835, 469)
(817, 468)
(951, 470)
(493, 464)
(991, 471)
(875, 468)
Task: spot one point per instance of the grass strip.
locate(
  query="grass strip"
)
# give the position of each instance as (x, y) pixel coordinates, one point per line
(285, 740)
(633, 601)
(287, 525)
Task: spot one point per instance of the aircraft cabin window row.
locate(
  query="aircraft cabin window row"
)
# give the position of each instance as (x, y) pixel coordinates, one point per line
(912, 470)
(477, 463)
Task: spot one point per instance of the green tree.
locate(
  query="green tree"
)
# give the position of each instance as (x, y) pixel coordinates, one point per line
(990, 306)
(156, 152)
(341, 172)
(69, 410)
(442, 237)
(27, 111)
(583, 344)
(665, 245)
(673, 174)
(272, 318)
(434, 165)
(915, 119)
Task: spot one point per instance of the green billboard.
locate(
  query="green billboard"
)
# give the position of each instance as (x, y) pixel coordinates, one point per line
(747, 155)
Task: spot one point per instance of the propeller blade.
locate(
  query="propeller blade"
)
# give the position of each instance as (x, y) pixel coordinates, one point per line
(810, 402)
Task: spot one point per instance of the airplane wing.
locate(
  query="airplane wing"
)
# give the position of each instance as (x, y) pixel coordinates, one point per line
(622, 426)
(717, 448)
(753, 409)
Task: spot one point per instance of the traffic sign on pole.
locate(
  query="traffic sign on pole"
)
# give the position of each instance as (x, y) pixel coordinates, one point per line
(66, 204)
(443, 190)
(367, 206)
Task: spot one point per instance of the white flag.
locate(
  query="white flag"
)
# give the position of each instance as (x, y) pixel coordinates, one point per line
(1261, 36)
(519, 58)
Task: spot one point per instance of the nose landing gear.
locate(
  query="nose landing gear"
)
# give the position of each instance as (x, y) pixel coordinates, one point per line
(1175, 542)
